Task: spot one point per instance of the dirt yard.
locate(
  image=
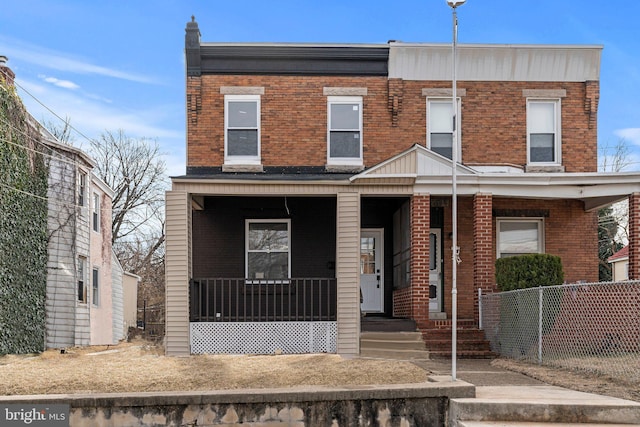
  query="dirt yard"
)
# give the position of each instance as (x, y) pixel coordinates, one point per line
(141, 366)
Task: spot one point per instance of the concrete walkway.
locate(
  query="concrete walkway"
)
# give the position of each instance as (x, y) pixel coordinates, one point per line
(505, 398)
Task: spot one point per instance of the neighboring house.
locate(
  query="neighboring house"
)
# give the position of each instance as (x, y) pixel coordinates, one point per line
(84, 295)
(620, 265)
(130, 296)
(84, 302)
(317, 173)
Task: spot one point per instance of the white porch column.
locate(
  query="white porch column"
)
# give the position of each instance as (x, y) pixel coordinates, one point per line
(177, 272)
(348, 273)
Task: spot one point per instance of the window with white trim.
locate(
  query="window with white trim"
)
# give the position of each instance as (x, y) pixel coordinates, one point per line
(543, 131)
(519, 236)
(242, 129)
(268, 249)
(344, 130)
(440, 126)
(95, 216)
(82, 188)
(95, 286)
(82, 287)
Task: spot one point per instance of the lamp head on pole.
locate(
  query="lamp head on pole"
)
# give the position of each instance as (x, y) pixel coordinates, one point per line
(455, 3)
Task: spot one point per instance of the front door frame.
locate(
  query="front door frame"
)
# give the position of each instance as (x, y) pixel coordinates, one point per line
(378, 234)
(435, 274)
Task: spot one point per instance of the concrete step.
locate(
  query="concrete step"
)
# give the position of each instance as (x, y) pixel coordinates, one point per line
(541, 405)
(394, 354)
(393, 345)
(461, 354)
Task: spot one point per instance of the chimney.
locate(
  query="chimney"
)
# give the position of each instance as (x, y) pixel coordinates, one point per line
(5, 72)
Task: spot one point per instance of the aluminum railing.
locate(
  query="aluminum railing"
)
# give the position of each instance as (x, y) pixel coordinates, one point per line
(245, 300)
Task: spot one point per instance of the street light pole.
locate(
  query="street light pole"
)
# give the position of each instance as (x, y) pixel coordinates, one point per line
(454, 194)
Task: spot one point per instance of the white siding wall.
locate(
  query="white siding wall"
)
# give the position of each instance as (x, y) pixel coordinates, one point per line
(117, 299)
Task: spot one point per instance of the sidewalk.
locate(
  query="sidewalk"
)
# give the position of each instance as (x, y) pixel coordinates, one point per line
(506, 398)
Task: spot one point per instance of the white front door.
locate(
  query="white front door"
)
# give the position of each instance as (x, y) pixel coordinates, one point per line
(435, 276)
(371, 270)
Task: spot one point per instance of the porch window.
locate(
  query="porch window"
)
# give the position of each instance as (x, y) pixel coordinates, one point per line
(268, 246)
(440, 126)
(520, 236)
(344, 130)
(543, 131)
(242, 129)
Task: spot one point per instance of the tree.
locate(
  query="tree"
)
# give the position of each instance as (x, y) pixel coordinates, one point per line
(135, 171)
(612, 220)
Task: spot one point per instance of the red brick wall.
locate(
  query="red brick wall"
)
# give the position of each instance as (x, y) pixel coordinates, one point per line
(483, 252)
(634, 236)
(294, 119)
(420, 227)
(402, 303)
(570, 232)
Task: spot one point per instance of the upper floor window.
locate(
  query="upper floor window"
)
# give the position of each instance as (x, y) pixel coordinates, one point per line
(519, 236)
(242, 129)
(543, 131)
(82, 188)
(344, 130)
(268, 249)
(82, 288)
(95, 215)
(440, 126)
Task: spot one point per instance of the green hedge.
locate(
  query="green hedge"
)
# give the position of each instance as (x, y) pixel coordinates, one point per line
(528, 271)
(519, 311)
(23, 229)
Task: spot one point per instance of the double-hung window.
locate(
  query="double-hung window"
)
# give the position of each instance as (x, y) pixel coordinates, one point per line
(344, 130)
(242, 129)
(95, 215)
(82, 188)
(543, 131)
(82, 287)
(519, 236)
(440, 126)
(268, 245)
(95, 286)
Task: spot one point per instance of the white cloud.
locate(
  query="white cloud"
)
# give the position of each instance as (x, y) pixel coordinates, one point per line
(66, 84)
(92, 117)
(629, 134)
(63, 61)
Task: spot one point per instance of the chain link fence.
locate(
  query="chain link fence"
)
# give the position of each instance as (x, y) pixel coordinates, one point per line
(591, 327)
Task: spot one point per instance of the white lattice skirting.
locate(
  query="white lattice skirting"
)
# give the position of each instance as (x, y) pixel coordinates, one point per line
(263, 337)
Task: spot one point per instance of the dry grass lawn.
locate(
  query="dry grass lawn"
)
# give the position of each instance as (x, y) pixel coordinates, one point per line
(140, 367)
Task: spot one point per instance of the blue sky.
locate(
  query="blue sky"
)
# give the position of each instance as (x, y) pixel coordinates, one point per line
(113, 65)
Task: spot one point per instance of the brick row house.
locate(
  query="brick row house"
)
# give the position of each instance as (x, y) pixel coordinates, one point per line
(319, 180)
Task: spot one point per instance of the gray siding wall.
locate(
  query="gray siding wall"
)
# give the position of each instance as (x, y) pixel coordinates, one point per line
(61, 265)
(83, 320)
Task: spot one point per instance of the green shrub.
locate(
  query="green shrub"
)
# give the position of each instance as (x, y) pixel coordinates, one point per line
(519, 311)
(528, 271)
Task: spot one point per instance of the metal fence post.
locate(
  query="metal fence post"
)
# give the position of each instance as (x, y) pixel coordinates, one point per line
(480, 308)
(540, 291)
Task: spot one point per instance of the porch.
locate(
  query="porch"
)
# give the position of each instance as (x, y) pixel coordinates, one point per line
(245, 316)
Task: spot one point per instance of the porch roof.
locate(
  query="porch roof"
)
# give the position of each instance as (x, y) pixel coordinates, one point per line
(430, 173)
